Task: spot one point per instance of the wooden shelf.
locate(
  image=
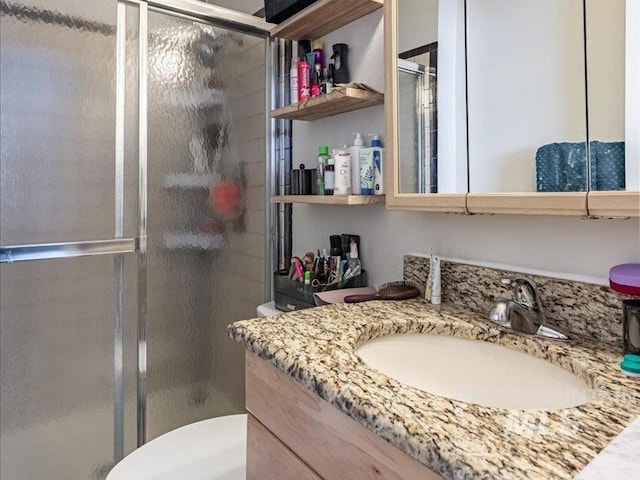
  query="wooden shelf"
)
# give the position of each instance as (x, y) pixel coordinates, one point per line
(340, 100)
(322, 17)
(330, 199)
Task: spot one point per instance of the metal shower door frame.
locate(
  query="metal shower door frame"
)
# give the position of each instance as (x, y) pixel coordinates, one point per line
(217, 16)
(118, 246)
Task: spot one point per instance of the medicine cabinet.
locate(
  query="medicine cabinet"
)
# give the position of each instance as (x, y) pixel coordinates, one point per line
(513, 106)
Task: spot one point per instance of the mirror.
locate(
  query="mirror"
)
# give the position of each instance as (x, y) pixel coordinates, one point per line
(535, 121)
(526, 96)
(613, 153)
(431, 97)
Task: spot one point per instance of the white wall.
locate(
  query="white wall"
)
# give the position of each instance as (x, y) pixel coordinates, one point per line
(564, 245)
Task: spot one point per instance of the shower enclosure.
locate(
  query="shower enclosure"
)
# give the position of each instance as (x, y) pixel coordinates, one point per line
(132, 229)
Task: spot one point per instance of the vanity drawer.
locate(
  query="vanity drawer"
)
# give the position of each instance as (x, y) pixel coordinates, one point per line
(268, 457)
(332, 444)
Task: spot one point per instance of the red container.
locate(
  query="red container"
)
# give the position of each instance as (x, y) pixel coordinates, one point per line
(304, 80)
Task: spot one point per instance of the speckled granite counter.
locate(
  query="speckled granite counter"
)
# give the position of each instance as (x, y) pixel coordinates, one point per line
(316, 347)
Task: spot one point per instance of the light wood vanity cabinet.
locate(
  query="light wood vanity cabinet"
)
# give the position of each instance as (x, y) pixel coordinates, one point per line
(293, 434)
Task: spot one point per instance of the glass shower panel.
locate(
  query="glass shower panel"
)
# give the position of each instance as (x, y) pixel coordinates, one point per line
(206, 200)
(407, 133)
(56, 367)
(57, 71)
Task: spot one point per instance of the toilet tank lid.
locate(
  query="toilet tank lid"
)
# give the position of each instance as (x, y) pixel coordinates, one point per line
(625, 278)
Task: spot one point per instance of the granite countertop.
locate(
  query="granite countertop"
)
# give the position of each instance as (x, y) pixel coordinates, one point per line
(316, 347)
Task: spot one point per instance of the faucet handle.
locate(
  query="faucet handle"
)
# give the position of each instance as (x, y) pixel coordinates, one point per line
(524, 290)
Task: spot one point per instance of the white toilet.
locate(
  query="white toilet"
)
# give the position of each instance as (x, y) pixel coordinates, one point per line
(267, 309)
(213, 449)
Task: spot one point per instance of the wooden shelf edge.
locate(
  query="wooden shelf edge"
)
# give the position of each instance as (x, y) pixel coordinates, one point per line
(330, 104)
(614, 204)
(330, 199)
(323, 17)
(562, 204)
(437, 202)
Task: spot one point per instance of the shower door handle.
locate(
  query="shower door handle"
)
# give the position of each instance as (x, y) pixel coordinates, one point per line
(52, 251)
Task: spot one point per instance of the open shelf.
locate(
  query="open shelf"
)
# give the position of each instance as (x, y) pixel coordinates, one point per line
(330, 199)
(193, 241)
(322, 17)
(340, 100)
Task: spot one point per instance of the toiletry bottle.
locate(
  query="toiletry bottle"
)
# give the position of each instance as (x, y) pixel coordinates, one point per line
(305, 180)
(378, 164)
(318, 52)
(304, 80)
(311, 58)
(435, 289)
(323, 156)
(358, 143)
(293, 81)
(336, 257)
(329, 176)
(354, 267)
(304, 47)
(342, 171)
(329, 76)
(341, 73)
(317, 81)
(366, 171)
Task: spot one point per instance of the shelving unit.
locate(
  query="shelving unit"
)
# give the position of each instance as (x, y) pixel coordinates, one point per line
(190, 180)
(338, 101)
(323, 17)
(196, 99)
(193, 241)
(316, 21)
(330, 199)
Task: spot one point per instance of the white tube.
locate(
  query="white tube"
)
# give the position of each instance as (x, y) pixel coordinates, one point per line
(435, 268)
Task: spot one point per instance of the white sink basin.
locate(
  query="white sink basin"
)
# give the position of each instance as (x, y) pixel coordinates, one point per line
(475, 372)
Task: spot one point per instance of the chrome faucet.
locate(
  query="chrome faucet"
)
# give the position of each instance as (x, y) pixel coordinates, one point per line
(524, 313)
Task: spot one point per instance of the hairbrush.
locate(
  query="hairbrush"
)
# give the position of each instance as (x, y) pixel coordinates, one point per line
(400, 290)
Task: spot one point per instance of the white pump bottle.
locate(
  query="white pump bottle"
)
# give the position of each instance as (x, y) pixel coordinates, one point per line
(358, 143)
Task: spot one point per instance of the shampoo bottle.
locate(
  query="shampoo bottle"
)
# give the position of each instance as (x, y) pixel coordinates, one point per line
(366, 171)
(358, 143)
(342, 171)
(378, 164)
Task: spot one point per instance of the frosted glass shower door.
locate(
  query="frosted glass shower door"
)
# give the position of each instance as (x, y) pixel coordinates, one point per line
(67, 249)
(206, 214)
(132, 224)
